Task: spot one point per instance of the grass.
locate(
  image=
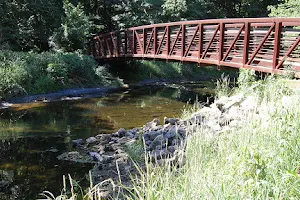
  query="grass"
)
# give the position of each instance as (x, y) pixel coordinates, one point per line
(32, 73)
(257, 160)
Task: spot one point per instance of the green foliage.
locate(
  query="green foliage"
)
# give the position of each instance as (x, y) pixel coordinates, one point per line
(27, 25)
(33, 73)
(246, 78)
(174, 9)
(223, 87)
(269, 89)
(136, 150)
(40, 24)
(73, 33)
(288, 8)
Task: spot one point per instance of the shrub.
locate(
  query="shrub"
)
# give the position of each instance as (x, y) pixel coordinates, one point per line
(33, 73)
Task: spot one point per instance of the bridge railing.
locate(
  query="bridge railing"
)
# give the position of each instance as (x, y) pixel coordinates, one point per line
(264, 44)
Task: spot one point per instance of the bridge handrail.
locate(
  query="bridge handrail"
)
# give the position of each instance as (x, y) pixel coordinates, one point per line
(287, 21)
(264, 44)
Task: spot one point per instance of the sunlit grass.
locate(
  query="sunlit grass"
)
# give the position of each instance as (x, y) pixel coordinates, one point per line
(257, 160)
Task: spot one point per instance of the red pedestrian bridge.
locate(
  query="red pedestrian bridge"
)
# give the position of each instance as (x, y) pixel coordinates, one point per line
(264, 44)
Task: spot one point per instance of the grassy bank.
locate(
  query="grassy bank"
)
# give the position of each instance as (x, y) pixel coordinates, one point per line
(257, 160)
(140, 70)
(32, 73)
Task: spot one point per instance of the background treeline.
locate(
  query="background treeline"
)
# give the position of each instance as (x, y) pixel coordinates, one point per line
(42, 42)
(40, 25)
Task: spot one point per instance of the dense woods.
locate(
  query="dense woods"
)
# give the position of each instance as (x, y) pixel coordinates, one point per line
(40, 25)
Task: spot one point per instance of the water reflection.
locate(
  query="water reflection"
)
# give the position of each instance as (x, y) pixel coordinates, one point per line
(33, 135)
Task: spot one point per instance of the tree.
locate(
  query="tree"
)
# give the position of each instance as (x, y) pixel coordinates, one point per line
(27, 24)
(74, 31)
(174, 9)
(288, 8)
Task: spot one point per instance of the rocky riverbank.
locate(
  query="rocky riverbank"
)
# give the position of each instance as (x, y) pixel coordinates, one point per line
(162, 142)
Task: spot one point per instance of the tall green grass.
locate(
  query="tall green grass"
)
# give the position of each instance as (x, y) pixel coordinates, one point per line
(32, 73)
(257, 160)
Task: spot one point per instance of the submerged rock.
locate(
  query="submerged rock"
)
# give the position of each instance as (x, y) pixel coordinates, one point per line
(78, 142)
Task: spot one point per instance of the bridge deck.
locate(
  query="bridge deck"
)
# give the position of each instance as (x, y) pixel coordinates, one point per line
(263, 44)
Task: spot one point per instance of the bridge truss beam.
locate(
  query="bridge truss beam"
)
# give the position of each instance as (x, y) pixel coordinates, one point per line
(264, 44)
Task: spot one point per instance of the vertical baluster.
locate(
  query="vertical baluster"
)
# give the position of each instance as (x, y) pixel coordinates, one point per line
(278, 29)
(221, 41)
(182, 40)
(133, 42)
(144, 41)
(200, 42)
(168, 40)
(246, 43)
(155, 40)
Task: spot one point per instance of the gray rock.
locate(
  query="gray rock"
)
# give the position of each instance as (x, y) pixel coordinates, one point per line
(96, 156)
(78, 142)
(107, 158)
(116, 134)
(171, 133)
(105, 139)
(148, 142)
(121, 132)
(155, 122)
(91, 140)
(153, 134)
(171, 121)
(129, 134)
(172, 149)
(115, 139)
(159, 140)
(182, 132)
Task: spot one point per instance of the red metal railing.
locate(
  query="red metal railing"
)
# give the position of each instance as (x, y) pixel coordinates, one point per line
(263, 44)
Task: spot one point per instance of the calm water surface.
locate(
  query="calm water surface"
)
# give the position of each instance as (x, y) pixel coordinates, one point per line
(33, 135)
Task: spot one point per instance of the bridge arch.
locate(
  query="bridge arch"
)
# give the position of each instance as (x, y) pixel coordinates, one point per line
(264, 44)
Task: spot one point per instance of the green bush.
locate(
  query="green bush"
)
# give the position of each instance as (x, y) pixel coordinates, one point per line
(33, 73)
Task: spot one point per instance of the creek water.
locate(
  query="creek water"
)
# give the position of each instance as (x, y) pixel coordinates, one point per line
(33, 135)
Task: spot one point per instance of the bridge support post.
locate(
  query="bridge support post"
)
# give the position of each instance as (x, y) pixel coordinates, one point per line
(133, 42)
(182, 40)
(278, 29)
(155, 40)
(221, 43)
(246, 43)
(200, 42)
(168, 40)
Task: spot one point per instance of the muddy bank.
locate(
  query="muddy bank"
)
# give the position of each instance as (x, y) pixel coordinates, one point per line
(83, 93)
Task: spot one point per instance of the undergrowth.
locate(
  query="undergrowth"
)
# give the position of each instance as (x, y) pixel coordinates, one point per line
(32, 73)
